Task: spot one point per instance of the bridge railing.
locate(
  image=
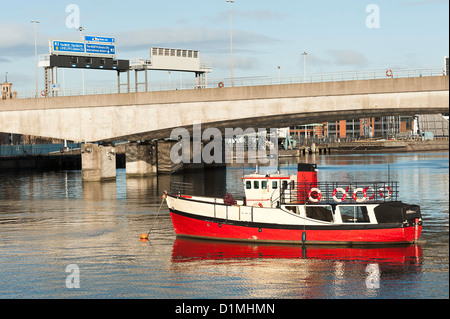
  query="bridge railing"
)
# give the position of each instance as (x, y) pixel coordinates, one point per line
(251, 81)
(332, 77)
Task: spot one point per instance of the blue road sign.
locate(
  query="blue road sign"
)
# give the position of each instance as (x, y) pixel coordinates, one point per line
(81, 48)
(100, 49)
(64, 46)
(90, 38)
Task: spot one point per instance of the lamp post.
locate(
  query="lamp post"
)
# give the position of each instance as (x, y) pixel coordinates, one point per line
(279, 76)
(81, 29)
(304, 65)
(231, 44)
(35, 55)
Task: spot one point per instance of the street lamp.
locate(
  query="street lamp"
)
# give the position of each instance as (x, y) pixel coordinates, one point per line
(231, 44)
(35, 54)
(81, 29)
(279, 76)
(304, 66)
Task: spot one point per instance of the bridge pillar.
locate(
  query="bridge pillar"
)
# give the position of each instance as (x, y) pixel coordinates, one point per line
(98, 163)
(141, 159)
(165, 164)
(195, 154)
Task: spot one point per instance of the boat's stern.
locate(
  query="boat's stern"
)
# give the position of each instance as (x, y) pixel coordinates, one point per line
(402, 213)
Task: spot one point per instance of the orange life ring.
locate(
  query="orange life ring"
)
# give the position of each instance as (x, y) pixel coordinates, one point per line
(43, 93)
(260, 205)
(221, 85)
(389, 73)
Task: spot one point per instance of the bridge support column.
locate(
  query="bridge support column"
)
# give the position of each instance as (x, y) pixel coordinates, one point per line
(195, 153)
(165, 164)
(98, 163)
(141, 159)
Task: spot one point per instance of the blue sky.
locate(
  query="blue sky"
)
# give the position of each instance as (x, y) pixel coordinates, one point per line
(266, 34)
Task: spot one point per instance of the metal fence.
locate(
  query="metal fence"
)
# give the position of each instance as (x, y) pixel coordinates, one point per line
(331, 77)
(339, 192)
(251, 81)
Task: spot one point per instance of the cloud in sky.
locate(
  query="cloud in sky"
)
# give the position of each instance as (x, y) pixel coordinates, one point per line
(190, 37)
(4, 60)
(265, 33)
(246, 63)
(213, 44)
(18, 41)
(348, 57)
(14, 34)
(245, 15)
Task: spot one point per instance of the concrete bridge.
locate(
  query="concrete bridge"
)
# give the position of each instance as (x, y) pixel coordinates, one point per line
(152, 115)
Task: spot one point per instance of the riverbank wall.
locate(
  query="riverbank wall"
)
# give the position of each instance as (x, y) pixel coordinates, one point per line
(71, 160)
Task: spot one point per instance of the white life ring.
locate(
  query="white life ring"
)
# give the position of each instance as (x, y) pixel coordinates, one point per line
(344, 194)
(358, 199)
(388, 196)
(365, 192)
(319, 195)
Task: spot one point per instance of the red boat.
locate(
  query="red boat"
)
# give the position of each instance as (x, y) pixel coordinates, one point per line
(298, 209)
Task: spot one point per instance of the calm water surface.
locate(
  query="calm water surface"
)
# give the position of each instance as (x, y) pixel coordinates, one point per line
(49, 220)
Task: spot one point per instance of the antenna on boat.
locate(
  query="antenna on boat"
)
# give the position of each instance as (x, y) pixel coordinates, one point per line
(278, 163)
(389, 174)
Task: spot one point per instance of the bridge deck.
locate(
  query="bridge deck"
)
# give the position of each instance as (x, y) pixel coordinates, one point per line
(137, 116)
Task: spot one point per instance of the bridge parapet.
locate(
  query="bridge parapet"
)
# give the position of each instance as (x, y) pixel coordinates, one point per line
(295, 90)
(357, 75)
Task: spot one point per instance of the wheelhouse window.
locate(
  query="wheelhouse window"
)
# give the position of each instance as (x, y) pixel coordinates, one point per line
(274, 184)
(256, 185)
(263, 184)
(248, 185)
(319, 212)
(354, 214)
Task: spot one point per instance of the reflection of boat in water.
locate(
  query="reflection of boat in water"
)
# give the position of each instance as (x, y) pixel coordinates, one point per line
(298, 209)
(261, 270)
(191, 250)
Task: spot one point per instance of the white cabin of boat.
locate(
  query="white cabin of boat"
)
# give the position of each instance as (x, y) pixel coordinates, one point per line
(269, 190)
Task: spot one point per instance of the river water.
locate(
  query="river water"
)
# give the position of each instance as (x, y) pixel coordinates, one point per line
(61, 238)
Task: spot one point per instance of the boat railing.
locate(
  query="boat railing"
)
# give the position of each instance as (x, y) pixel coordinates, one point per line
(339, 192)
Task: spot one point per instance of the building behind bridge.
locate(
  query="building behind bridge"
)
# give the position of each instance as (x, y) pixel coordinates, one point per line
(375, 127)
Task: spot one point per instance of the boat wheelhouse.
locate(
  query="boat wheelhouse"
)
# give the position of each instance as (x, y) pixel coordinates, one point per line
(299, 209)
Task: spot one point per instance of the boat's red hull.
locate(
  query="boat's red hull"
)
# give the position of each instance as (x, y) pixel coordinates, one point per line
(194, 226)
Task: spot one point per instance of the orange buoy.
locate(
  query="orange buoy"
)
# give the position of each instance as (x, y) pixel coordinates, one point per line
(144, 237)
